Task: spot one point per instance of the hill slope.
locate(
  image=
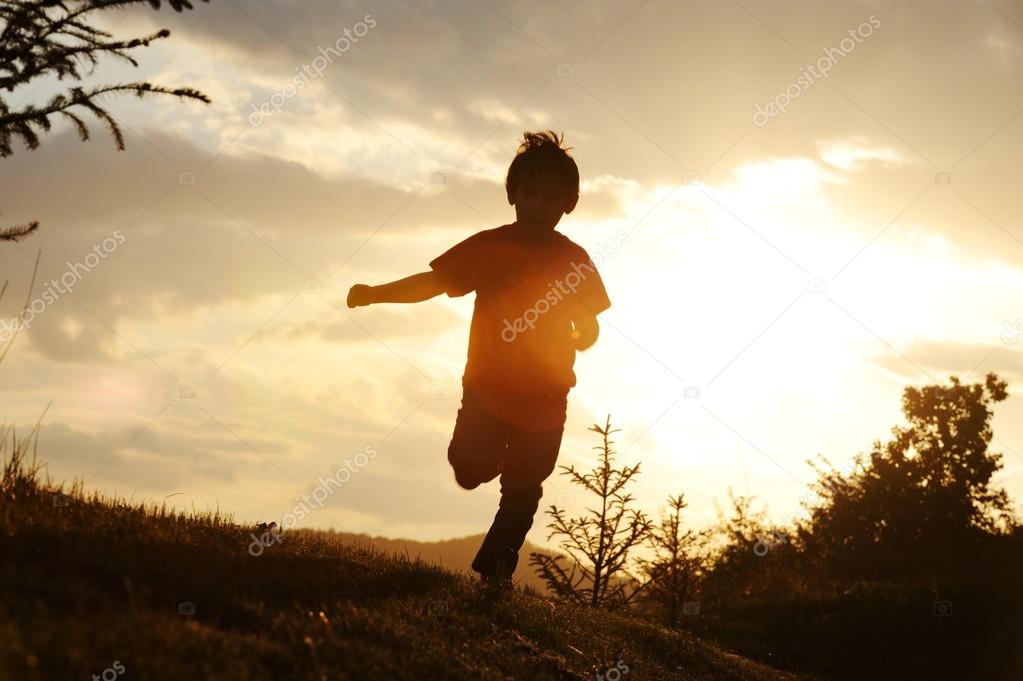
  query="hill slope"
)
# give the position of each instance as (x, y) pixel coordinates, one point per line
(454, 554)
(93, 586)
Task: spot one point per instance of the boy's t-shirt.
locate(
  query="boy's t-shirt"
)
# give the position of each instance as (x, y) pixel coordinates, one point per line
(528, 292)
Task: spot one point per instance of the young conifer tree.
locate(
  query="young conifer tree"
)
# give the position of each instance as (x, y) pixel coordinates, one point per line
(599, 541)
(674, 571)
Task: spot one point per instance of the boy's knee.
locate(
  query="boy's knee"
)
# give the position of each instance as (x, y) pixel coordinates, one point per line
(471, 470)
(464, 481)
(462, 470)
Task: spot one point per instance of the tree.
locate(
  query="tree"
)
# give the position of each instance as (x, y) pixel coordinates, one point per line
(753, 560)
(597, 542)
(922, 501)
(53, 38)
(736, 555)
(674, 572)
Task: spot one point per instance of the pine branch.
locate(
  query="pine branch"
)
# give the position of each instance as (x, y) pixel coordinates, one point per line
(19, 232)
(52, 38)
(561, 583)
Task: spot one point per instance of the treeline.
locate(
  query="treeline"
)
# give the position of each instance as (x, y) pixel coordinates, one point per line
(904, 566)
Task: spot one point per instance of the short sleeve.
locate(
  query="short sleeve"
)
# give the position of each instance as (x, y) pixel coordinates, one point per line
(588, 286)
(461, 266)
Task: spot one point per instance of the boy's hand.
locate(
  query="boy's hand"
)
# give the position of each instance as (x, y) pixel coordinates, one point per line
(360, 295)
(586, 330)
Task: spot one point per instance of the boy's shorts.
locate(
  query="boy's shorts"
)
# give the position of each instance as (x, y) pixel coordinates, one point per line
(484, 445)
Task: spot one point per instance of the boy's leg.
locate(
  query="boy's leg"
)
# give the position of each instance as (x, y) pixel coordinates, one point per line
(528, 461)
(477, 444)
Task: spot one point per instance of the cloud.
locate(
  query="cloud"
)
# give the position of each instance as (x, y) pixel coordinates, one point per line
(854, 154)
(941, 359)
(157, 459)
(380, 321)
(489, 71)
(249, 228)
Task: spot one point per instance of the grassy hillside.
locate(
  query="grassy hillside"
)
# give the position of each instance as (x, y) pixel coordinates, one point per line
(454, 554)
(93, 586)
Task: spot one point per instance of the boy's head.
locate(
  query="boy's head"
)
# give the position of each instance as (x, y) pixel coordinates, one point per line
(542, 182)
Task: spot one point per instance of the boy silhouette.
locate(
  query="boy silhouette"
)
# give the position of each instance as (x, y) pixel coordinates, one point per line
(538, 295)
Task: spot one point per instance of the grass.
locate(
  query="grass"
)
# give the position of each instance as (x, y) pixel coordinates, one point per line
(88, 583)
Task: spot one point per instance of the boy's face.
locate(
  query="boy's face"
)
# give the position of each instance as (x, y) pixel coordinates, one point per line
(540, 200)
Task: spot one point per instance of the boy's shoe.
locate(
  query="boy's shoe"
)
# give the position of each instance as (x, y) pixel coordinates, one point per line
(498, 575)
(496, 584)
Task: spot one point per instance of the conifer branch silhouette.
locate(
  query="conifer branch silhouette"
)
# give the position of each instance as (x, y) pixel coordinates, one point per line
(54, 39)
(18, 232)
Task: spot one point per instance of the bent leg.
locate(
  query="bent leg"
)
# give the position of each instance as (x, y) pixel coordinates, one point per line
(477, 444)
(529, 460)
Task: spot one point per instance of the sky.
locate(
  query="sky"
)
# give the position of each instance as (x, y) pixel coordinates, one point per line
(798, 209)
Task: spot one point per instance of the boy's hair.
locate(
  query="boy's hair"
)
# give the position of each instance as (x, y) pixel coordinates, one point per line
(543, 150)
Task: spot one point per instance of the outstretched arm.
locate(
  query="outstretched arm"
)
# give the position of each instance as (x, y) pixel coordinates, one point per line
(412, 289)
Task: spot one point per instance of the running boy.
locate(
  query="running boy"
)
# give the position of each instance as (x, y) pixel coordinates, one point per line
(538, 295)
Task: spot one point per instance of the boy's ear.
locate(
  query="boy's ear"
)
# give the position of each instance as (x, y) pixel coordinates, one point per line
(570, 206)
(511, 199)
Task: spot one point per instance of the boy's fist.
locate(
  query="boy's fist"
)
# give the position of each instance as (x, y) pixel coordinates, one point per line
(359, 295)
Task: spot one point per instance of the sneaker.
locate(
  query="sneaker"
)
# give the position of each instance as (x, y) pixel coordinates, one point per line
(499, 573)
(496, 584)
